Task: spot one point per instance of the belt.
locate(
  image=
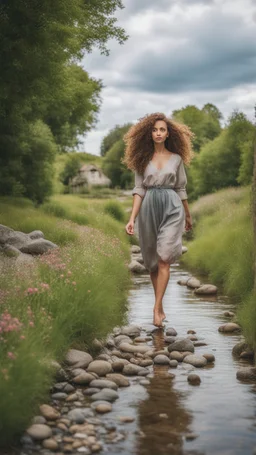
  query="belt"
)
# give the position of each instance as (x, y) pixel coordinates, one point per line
(159, 187)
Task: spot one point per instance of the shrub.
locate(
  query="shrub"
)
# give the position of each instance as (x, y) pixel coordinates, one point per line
(114, 209)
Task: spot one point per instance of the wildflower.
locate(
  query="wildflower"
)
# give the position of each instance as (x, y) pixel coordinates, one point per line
(69, 273)
(31, 323)
(22, 337)
(74, 283)
(11, 355)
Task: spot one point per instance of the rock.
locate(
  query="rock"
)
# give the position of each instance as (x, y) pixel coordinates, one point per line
(181, 345)
(97, 344)
(191, 436)
(192, 337)
(229, 327)
(61, 396)
(135, 249)
(96, 403)
(142, 339)
(138, 258)
(101, 367)
(126, 347)
(194, 379)
(197, 344)
(175, 355)
(91, 391)
(50, 444)
(206, 289)
(38, 246)
(229, 314)
(169, 339)
(78, 415)
(96, 448)
(146, 362)
(161, 360)
(161, 352)
(79, 359)
(239, 348)
(83, 378)
(193, 283)
(103, 408)
(11, 237)
(136, 267)
(130, 331)
(126, 419)
(49, 412)
(195, 360)
(209, 357)
(110, 342)
(170, 331)
(246, 374)
(119, 379)
(10, 251)
(132, 370)
(38, 432)
(184, 249)
(122, 338)
(39, 419)
(182, 282)
(36, 235)
(118, 366)
(192, 332)
(173, 363)
(105, 395)
(247, 354)
(103, 384)
(106, 357)
(144, 382)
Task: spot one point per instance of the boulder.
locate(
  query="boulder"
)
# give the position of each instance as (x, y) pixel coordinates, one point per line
(11, 237)
(36, 235)
(39, 432)
(126, 347)
(229, 327)
(181, 346)
(193, 283)
(38, 246)
(206, 289)
(246, 374)
(161, 360)
(195, 360)
(100, 367)
(79, 359)
(136, 267)
(130, 330)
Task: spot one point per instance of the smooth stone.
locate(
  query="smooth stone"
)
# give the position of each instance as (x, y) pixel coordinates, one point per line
(38, 432)
(135, 249)
(194, 379)
(76, 372)
(209, 357)
(130, 330)
(246, 374)
(103, 408)
(170, 331)
(119, 379)
(105, 395)
(182, 282)
(39, 419)
(247, 354)
(229, 327)
(79, 358)
(175, 355)
(181, 345)
(96, 403)
(206, 289)
(192, 337)
(161, 360)
(122, 339)
(50, 444)
(38, 246)
(142, 339)
(61, 396)
(144, 382)
(193, 283)
(197, 344)
(59, 386)
(136, 267)
(191, 436)
(83, 378)
(191, 331)
(161, 352)
(91, 391)
(239, 348)
(126, 419)
(103, 384)
(229, 314)
(195, 360)
(49, 412)
(101, 367)
(146, 362)
(131, 348)
(173, 363)
(79, 415)
(169, 339)
(105, 357)
(118, 366)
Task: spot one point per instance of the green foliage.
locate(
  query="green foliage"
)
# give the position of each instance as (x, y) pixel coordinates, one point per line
(114, 168)
(72, 166)
(115, 209)
(39, 40)
(114, 135)
(205, 122)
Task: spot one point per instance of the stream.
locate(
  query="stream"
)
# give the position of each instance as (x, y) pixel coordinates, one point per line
(172, 416)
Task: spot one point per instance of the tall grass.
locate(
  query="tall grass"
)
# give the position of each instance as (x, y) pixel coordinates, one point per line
(223, 248)
(65, 298)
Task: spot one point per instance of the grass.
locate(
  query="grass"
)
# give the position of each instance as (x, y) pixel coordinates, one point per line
(223, 248)
(65, 298)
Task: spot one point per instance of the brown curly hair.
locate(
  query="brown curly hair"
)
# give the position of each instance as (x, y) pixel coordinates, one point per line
(140, 146)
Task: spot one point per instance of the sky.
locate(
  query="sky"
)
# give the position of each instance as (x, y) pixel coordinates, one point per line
(179, 52)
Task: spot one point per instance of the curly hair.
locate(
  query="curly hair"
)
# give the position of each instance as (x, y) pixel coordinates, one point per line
(140, 146)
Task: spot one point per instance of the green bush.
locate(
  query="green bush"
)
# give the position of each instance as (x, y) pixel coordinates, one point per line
(114, 209)
(53, 208)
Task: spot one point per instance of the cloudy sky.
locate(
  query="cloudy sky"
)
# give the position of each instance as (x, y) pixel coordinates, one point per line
(179, 52)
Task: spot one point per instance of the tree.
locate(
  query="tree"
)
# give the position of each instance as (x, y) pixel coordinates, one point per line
(114, 169)
(71, 168)
(113, 136)
(204, 123)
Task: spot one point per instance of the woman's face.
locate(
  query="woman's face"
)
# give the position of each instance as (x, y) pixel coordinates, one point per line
(160, 132)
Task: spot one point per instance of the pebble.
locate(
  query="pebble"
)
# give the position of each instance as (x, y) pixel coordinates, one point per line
(50, 444)
(39, 431)
(59, 396)
(209, 357)
(126, 419)
(170, 331)
(173, 363)
(103, 384)
(91, 391)
(119, 379)
(101, 367)
(103, 408)
(195, 360)
(39, 419)
(105, 395)
(161, 360)
(191, 331)
(194, 379)
(181, 345)
(83, 378)
(229, 327)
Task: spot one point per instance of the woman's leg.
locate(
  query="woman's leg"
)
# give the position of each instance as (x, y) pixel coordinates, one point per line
(161, 282)
(153, 276)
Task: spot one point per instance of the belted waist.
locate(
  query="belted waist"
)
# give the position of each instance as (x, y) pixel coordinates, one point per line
(159, 187)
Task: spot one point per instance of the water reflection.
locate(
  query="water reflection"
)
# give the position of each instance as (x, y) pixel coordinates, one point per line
(162, 417)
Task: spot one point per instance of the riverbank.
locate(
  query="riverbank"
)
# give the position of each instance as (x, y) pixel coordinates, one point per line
(66, 298)
(223, 250)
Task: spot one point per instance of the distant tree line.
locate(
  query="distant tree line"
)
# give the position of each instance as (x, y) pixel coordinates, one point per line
(46, 98)
(224, 155)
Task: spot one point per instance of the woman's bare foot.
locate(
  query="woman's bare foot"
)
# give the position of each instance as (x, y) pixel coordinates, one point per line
(158, 319)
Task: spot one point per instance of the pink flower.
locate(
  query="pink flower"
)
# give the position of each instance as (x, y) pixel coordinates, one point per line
(74, 283)
(11, 355)
(31, 323)
(22, 337)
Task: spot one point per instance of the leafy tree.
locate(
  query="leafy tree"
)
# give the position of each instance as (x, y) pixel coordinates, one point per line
(113, 136)
(205, 122)
(114, 169)
(71, 168)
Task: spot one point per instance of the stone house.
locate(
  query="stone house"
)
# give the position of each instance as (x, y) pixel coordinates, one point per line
(88, 175)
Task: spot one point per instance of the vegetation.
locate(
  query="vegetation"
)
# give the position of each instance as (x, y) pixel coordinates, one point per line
(59, 301)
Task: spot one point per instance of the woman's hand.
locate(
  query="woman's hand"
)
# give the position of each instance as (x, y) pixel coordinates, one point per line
(130, 227)
(188, 225)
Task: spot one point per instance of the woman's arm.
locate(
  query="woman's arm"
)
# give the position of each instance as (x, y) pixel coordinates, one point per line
(138, 193)
(180, 188)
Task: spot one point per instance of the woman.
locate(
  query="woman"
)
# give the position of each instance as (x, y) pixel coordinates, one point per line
(156, 148)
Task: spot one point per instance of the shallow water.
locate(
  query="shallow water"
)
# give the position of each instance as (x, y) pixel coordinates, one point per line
(221, 412)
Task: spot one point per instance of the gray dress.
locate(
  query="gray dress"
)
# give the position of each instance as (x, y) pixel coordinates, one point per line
(161, 219)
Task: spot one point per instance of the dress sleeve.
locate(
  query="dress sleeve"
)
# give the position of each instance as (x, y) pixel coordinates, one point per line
(181, 182)
(139, 187)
